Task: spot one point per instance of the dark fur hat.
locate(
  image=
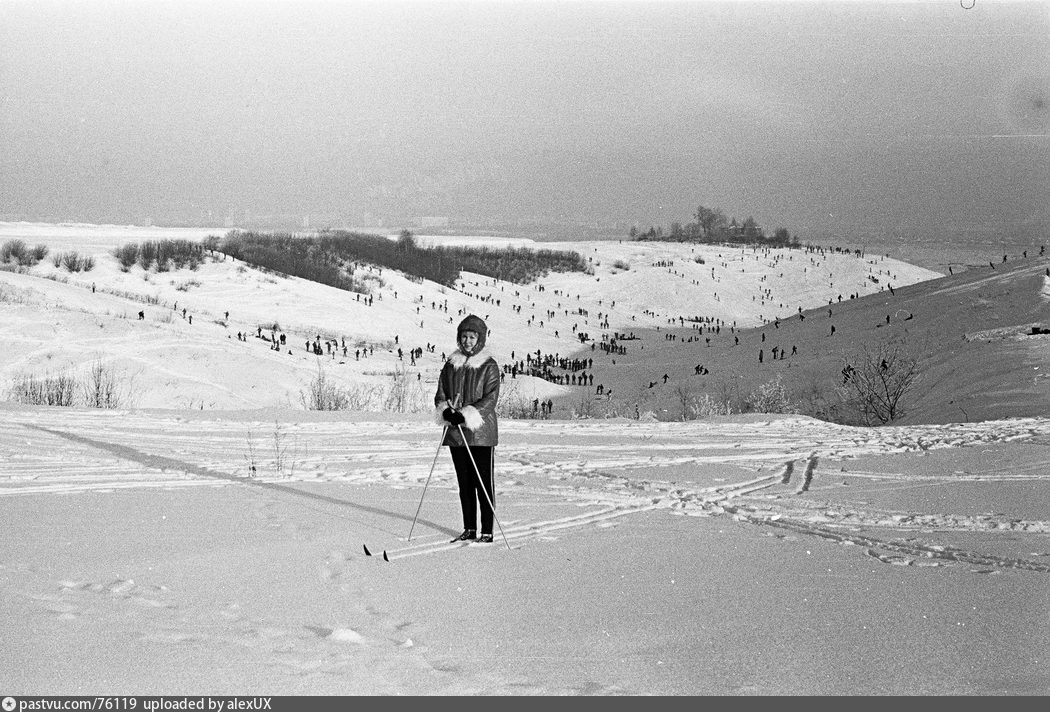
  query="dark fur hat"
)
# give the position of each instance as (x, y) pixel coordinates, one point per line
(477, 325)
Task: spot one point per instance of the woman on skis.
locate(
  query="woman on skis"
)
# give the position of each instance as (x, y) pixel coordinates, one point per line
(465, 403)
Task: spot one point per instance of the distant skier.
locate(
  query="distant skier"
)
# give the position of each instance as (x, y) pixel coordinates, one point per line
(465, 401)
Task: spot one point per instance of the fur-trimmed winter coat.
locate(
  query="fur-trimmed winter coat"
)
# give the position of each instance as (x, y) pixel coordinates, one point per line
(471, 385)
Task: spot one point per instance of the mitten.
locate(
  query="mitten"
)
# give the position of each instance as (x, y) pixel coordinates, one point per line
(447, 414)
(457, 418)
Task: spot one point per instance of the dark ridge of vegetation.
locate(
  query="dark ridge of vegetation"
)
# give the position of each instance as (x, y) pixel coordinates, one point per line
(712, 226)
(333, 256)
(162, 254)
(402, 255)
(295, 256)
(512, 264)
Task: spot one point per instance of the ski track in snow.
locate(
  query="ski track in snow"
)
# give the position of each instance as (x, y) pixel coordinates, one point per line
(607, 468)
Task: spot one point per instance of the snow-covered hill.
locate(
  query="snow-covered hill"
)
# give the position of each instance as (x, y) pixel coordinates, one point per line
(211, 536)
(185, 351)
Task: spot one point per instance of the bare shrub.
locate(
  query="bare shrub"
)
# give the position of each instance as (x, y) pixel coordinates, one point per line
(10, 249)
(17, 251)
(878, 382)
(364, 397)
(625, 407)
(55, 278)
(585, 406)
(147, 254)
(127, 255)
(819, 398)
(323, 394)
(727, 396)
(74, 261)
(286, 451)
(396, 397)
(405, 395)
(514, 404)
(684, 395)
(187, 285)
(104, 388)
(249, 456)
(47, 390)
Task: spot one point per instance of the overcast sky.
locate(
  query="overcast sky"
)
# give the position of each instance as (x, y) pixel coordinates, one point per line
(840, 117)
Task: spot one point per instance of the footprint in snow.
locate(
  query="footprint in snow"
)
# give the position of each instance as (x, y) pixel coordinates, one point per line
(339, 635)
(56, 605)
(166, 637)
(334, 565)
(147, 595)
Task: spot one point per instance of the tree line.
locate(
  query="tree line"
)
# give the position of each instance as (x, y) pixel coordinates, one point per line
(160, 254)
(713, 226)
(332, 256)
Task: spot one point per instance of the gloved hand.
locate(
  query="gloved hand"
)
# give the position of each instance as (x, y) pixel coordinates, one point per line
(456, 418)
(447, 414)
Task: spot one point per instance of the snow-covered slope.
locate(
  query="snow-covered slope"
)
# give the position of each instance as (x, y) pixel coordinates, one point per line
(185, 350)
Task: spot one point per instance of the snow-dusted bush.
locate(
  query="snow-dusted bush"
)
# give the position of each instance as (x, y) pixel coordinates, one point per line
(706, 405)
(514, 404)
(771, 397)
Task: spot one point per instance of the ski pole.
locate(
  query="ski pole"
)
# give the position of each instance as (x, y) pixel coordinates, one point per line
(433, 464)
(482, 483)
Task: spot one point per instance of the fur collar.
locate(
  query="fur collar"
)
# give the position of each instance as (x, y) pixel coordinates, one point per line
(459, 359)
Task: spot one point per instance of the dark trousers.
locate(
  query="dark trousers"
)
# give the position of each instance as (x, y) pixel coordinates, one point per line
(471, 496)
